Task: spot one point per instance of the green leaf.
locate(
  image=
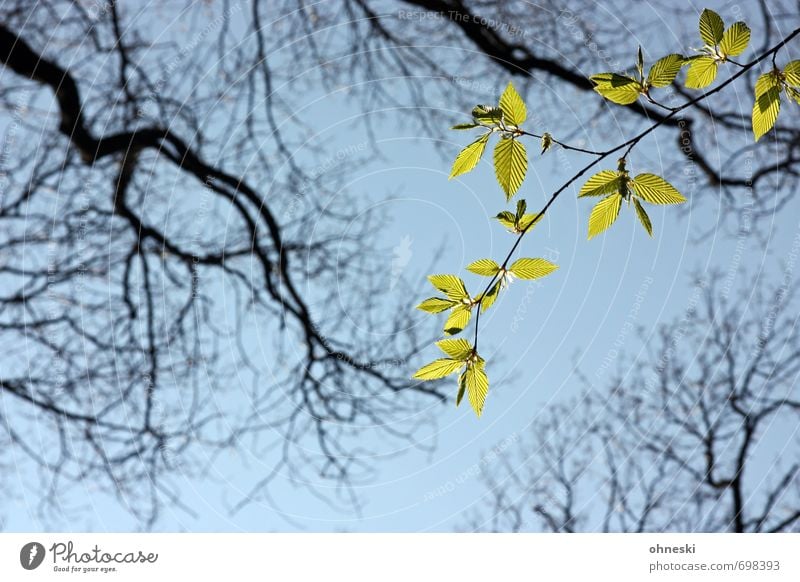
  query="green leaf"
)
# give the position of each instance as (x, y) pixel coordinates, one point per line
(604, 182)
(643, 218)
(487, 114)
(469, 156)
(617, 88)
(438, 369)
(547, 141)
(462, 388)
(664, 70)
(711, 27)
(465, 126)
(527, 221)
(508, 220)
(514, 110)
(458, 320)
(735, 40)
(792, 73)
(485, 267)
(522, 206)
(766, 82)
(656, 190)
(435, 305)
(702, 72)
(532, 268)
(640, 62)
(604, 214)
(765, 111)
(510, 165)
(458, 348)
(477, 387)
(793, 94)
(491, 296)
(450, 285)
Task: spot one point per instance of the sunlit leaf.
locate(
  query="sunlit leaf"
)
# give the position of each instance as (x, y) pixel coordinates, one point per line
(617, 88)
(532, 268)
(457, 348)
(656, 190)
(477, 387)
(458, 320)
(604, 182)
(462, 388)
(436, 305)
(702, 72)
(643, 218)
(438, 369)
(450, 285)
(604, 214)
(485, 267)
(528, 221)
(735, 40)
(487, 114)
(664, 70)
(469, 156)
(465, 126)
(507, 219)
(765, 111)
(766, 82)
(510, 165)
(514, 110)
(711, 27)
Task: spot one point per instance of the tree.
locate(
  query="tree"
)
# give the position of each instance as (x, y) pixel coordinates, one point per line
(696, 435)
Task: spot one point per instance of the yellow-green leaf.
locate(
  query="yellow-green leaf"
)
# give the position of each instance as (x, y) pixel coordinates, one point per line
(766, 82)
(765, 111)
(617, 88)
(491, 296)
(656, 190)
(465, 126)
(469, 156)
(487, 114)
(485, 267)
(664, 70)
(510, 165)
(508, 220)
(528, 221)
(643, 218)
(532, 268)
(438, 369)
(477, 387)
(450, 285)
(514, 110)
(711, 27)
(604, 214)
(735, 40)
(547, 141)
(604, 182)
(702, 72)
(458, 320)
(458, 348)
(792, 73)
(435, 305)
(462, 388)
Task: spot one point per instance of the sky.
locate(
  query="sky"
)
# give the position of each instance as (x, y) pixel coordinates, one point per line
(534, 338)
